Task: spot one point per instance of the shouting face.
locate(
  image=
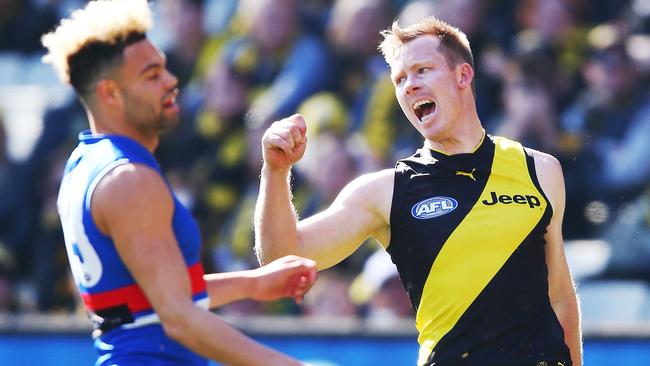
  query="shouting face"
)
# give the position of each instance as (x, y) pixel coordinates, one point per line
(428, 88)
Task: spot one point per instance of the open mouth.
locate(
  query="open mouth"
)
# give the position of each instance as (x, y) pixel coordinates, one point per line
(424, 109)
(170, 101)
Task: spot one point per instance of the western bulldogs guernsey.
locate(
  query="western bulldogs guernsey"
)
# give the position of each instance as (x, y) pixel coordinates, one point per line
(130, 331)
(467, 236)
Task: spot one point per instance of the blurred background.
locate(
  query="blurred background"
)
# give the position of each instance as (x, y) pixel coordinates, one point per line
(568, 77)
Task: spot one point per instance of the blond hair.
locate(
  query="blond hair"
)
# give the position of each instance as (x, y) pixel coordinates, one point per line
(97, 34)
(454, 44)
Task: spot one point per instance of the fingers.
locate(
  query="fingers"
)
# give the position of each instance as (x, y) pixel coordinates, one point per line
(286, 133)
(300, 287)
(300, 123)
(279, 140)
(302, 279)
(305, 265)
(291, 258)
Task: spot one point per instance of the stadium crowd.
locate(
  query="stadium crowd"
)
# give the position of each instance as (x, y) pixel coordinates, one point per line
(568, 77)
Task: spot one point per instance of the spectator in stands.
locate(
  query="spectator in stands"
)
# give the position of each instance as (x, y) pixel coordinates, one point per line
(10, 225)
(46, 264)
(16, 216)
(628, 236)
(21, 24)
(610, 123)
(554, 32)
(552, 20)
(284, 64)
(329, 297)
(353, 35)
(7, 302)
(220, 174)
(330, 165)
(379, 290)
(529, 113)
(184, 20)
(50, 274)
(186, 27)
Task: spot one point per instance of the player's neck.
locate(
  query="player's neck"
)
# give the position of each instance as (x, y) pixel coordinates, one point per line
(101, 127)
(464, 138)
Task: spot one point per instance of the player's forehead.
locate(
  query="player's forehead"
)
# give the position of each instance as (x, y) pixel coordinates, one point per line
(421, 50)
(141, 55)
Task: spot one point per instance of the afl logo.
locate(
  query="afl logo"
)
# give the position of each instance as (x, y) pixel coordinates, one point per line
(433, 207)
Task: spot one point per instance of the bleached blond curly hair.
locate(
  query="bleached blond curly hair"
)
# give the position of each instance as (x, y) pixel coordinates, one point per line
(101, 22)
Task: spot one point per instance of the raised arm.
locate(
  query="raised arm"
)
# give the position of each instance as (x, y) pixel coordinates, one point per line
(361, 210)
(133, 205)
(561, 287)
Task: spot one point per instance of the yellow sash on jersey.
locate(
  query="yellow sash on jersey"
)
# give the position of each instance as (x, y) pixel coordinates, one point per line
(479, 246)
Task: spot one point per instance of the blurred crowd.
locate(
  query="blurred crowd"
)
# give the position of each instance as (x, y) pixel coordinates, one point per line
(568, 77)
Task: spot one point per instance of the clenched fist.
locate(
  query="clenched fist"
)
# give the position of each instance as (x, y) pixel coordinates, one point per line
(289, 276)
(284, 143)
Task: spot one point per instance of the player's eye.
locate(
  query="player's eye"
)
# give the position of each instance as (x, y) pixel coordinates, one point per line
(155, 75)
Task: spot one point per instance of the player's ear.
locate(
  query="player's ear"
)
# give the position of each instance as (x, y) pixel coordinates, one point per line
(464, 75)
(108, 93)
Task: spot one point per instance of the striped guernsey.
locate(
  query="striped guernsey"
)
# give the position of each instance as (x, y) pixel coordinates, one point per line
(467, 236)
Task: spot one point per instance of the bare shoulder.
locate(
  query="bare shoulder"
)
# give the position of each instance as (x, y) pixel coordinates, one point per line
(374, 180)
(372, 190)
(544, 160)
(129, 180)
(376, 184)
(549, 175)
(129, 190)
(547, 165)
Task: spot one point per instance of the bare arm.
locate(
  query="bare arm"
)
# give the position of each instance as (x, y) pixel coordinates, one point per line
(133, 205)
(289, 276)
(561, 287)
(361, 210)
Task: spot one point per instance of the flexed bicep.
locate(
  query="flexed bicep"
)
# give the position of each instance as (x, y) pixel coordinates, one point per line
(360, 211)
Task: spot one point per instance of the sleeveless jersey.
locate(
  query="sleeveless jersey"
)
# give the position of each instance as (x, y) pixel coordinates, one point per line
(123, 317)
(467, 237)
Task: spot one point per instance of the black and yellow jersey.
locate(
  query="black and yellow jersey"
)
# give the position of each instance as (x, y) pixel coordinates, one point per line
(467, 236)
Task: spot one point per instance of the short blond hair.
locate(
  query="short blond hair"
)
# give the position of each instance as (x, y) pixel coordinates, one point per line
(454, 43)
(97, 34)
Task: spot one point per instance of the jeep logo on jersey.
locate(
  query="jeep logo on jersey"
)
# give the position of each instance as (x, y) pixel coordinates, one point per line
(531, 200)
(433, 207)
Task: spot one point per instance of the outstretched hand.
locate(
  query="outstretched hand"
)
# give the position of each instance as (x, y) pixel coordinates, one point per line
(289, 276)
(284, 142)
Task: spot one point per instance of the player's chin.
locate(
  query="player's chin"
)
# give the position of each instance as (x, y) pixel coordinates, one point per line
(432, 135)
(168, 121)
(172, 111)
(426, 131)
